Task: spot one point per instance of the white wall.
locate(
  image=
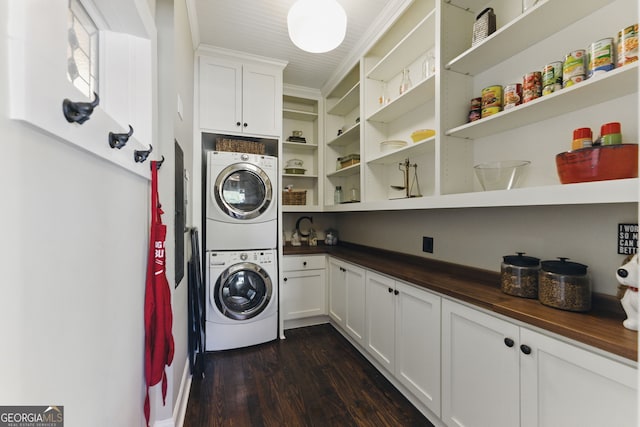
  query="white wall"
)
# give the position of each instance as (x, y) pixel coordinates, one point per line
(481, 237)
(175, 77)
(72, 265)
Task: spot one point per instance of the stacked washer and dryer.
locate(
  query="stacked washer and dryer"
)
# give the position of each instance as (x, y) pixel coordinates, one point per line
(241, 258)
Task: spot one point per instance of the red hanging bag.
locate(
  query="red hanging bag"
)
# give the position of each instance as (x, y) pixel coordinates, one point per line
(158, 318)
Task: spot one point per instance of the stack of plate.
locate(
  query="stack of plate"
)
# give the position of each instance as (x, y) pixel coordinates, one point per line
(294, 167)
(386, 146)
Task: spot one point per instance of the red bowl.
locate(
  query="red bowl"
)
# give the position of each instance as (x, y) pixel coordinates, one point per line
(598, 163)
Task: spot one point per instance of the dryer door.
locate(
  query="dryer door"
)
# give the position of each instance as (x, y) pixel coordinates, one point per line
(242, 291)
(243, 191)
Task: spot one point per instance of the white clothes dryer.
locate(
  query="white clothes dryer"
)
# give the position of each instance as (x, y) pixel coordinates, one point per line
(242, 299)
(241, 202)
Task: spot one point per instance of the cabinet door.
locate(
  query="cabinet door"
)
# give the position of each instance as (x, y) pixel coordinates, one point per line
(480, 374)
(355, 320)
(337, 292)
(262, 100)
(563, 385)
(220, 94)
(303, 294)
(418, 343)
(380, 318)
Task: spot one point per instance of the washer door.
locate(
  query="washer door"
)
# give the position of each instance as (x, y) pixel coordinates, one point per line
(243, 191)
(242, 291)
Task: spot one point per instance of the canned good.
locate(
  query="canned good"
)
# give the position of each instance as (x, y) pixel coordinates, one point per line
(572, 81)
(628, 45)
(489, 111)
(600, 57)
(573, 66)
(492, 97)
(512, 95)
(531, 86)
(552, 74)
(548, 90)
(475, 115)
(476, 103)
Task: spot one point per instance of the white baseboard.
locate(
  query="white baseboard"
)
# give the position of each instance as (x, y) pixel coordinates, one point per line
(180, 408)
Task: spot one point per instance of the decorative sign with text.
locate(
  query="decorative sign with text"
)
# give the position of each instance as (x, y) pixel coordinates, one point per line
(627, 239)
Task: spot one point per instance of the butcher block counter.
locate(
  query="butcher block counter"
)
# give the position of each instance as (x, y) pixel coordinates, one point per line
(601, 327)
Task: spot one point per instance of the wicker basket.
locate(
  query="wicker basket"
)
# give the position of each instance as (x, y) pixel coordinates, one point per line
(239, 146)
(294, 197)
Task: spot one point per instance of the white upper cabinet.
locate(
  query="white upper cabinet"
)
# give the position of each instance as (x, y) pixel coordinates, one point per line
(240, 95)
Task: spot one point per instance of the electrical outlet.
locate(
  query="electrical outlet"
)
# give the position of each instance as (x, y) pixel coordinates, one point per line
(427, 244)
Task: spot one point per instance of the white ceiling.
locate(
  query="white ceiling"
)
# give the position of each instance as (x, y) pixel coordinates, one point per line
(259, 27)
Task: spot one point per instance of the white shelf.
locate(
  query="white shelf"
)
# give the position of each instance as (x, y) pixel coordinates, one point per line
(347, 137)
(347, 103)
(301, 115)
(299, 146)
(611, 85)
(411, 150)
(615, 191)
(526, 30)
(300, 208)
(418, 95)
(407, 50)
(301, 176)
(348, 171)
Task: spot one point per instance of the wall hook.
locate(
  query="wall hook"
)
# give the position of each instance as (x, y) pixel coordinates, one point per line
(141, 155)
(119, 140)
(160, 162)
(79, 112)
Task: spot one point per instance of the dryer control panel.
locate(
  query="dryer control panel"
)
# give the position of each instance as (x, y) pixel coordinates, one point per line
(229, 258)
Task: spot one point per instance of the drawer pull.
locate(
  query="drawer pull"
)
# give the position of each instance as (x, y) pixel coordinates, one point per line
(509, 342)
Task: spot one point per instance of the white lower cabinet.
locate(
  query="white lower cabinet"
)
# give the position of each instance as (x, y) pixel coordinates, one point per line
(497, 374)
(347, 298)
(564, 385)
(403, 335)
(303, 288)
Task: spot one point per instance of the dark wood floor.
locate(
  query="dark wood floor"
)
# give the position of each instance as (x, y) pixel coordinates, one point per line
(313, 378)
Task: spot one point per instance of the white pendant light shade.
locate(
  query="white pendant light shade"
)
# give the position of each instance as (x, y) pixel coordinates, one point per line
(317, 26)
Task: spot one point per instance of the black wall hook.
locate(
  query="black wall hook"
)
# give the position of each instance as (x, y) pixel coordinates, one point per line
(160, 162)
(119, 140)
(79, 112)
(141, 155)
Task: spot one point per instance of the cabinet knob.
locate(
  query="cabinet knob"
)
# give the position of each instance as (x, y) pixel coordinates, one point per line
(304, 263)
(390, 290)
(396, 292)
(509, 342)
(525, 349)
(245, 125)
(238, 123)
(284, 279)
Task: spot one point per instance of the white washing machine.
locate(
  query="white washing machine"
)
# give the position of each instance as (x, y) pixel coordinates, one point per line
(242, 299)
(241, 202)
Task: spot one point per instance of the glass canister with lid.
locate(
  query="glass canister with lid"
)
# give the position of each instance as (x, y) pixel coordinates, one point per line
(519, 275)
(564, 285)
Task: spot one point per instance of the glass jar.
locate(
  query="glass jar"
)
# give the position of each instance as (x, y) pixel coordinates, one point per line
(355, 194)
(405, 85)
(337, 195)
(519, 275)
(564, 285)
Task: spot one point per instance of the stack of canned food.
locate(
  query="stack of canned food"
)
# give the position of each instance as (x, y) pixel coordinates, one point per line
(578, 65)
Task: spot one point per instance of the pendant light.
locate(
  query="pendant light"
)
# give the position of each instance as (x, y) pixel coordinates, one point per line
(317, 26)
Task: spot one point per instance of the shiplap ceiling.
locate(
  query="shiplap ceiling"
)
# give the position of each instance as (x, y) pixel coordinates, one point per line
(259, 27)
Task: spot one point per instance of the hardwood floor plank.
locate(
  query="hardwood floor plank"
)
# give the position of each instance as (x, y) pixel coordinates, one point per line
(312, 378)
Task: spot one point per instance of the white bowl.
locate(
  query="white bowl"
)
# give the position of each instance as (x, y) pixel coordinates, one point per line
(294, 163)
(386, 146)
(501, 175)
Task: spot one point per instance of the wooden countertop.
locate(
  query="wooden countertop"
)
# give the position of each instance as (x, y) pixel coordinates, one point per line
(601, 327)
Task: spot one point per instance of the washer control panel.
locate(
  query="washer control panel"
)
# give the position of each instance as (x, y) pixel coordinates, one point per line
(229, 258)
